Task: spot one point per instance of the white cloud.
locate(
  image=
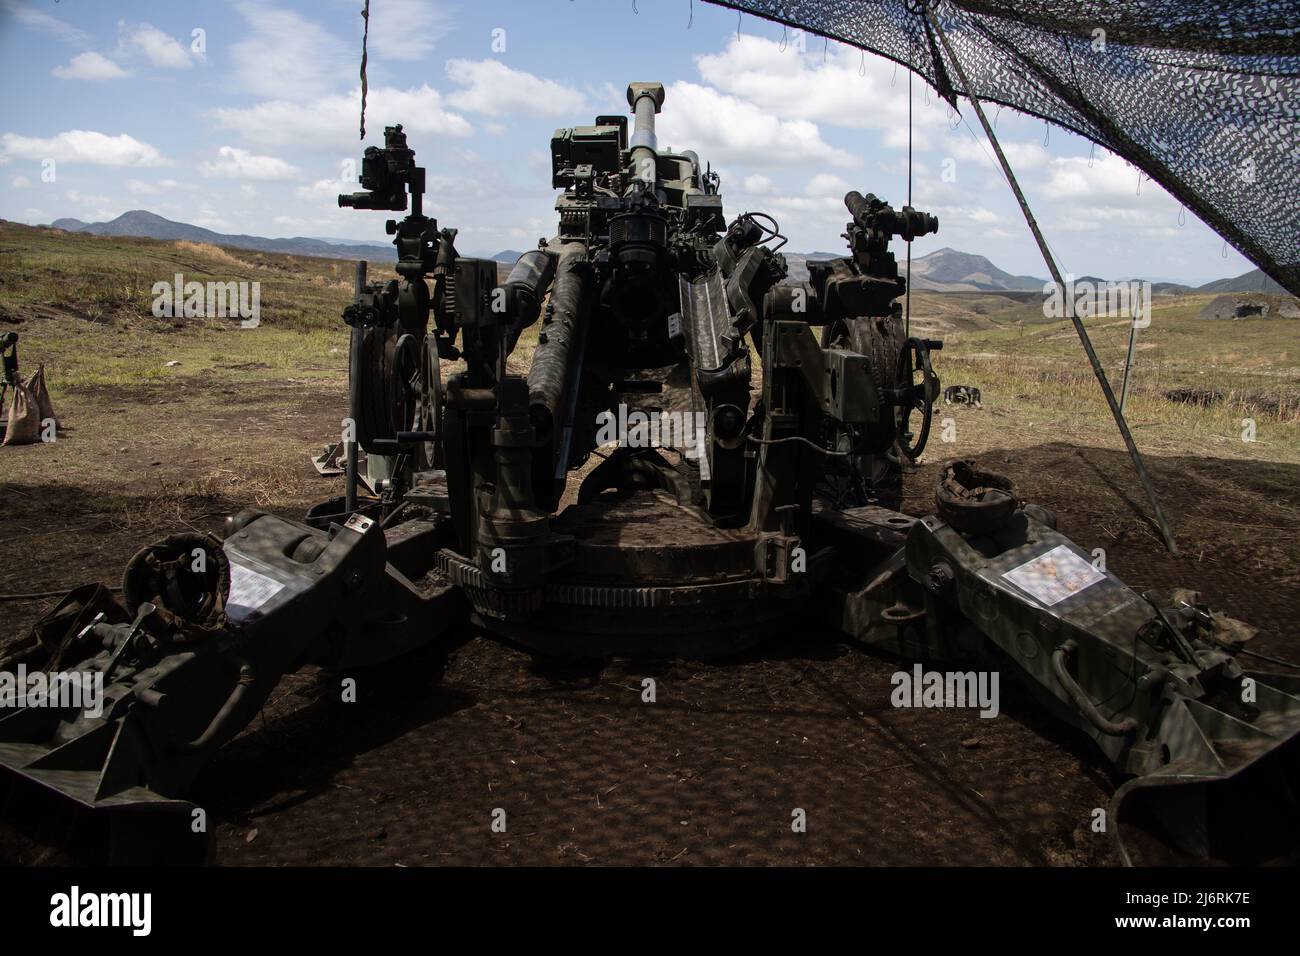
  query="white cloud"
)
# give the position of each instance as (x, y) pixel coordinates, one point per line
(209, 218)
(1108, 176)
(408, 29)
(20, 182)
(82, 146)
(91, 208)
(827, 184)
(90, 66)
(287, 56)
(140, 188)
(821, 205)
(323, 189)
(493, 88)
(36, 20)
(758, 184)
(234, 163)
(330, 123)
(144, 39)
(844, 89)
(465, 188)
(1103, 199)
(76, 195)
(726, 129)
(1023, 157)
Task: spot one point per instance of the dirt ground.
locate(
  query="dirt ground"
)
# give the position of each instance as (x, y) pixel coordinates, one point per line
(585, 771)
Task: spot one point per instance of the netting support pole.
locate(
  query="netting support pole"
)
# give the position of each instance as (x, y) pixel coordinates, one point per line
(1097, 369)
(354, 385)
(1128, 364)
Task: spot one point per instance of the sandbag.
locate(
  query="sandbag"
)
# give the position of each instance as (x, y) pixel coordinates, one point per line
(24, 417)
(36, 385)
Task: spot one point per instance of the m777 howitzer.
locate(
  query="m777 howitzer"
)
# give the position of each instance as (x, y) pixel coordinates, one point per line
(724, 513)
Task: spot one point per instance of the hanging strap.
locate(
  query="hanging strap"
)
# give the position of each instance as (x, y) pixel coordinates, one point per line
(365, 39)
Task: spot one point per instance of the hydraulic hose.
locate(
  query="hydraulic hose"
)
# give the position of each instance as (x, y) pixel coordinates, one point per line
(240, 708)
(1081, 700)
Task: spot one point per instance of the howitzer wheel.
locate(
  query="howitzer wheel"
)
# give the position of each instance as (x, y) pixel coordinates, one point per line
(914, 359)
(428, 417)
(876, 475)
(384, 375)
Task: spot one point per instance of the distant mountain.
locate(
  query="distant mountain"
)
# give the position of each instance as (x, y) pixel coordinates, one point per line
(329, 240)
(949, 270)
(69, 225)
(1253, 281)
(946, 270)
(147, 225)
(1157, 288)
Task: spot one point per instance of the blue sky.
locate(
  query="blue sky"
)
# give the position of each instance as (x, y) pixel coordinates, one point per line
(246, 126)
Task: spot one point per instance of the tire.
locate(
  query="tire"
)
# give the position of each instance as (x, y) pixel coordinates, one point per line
(382, 360)
(881, 340)
(880, 468)
(972, 500)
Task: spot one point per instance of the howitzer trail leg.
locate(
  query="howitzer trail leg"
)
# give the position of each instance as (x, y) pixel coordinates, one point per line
(1214, 749)
(170, 697)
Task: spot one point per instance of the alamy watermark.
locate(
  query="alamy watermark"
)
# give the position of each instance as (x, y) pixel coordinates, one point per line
(685, 431)
(1090, 299)
(208, 300)
(74, 909)
(922, 688)
(56, 689)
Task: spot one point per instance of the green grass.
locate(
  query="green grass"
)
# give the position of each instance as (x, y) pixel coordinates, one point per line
(1250, 368)
(82, 304)
(100, 278)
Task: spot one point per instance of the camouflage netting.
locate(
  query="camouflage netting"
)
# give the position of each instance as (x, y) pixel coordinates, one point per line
(1202, 95)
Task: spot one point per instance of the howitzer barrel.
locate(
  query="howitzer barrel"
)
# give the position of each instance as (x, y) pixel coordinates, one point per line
(551, 375)
(646, 99)
(525, 288)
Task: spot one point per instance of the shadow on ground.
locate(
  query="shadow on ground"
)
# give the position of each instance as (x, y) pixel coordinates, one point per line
(582, 769)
